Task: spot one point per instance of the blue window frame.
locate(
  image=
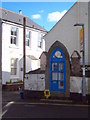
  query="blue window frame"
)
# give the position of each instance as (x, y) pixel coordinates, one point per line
(57, 70)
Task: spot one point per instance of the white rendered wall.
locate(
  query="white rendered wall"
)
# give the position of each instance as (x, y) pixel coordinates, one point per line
(76, 85)
(5, 53)
(34, 82)
(65, 32)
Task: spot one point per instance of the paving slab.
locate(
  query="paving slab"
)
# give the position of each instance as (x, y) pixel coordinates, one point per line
(8, 96)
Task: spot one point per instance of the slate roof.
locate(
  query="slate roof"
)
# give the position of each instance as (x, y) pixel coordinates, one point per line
(13, 17)
(78, 55)
(37, 71)
(43, 53)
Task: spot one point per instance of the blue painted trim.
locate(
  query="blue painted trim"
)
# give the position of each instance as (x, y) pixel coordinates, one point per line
(56, 60)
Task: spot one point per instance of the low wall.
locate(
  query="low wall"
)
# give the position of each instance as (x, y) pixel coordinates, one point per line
(76, 85)
(36, 82)
(13, 87)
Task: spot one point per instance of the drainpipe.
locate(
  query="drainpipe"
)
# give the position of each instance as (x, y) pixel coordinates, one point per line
(0, 54)
(24, 51)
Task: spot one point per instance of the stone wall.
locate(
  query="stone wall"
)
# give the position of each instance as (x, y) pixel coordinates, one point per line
(13, 87)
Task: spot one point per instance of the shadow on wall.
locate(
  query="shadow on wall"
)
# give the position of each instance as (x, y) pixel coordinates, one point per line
(5, 77)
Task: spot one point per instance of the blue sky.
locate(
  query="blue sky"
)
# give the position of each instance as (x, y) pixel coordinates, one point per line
(44, 13)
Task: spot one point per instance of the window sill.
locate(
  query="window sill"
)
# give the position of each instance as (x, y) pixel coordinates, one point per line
(39, 49)
(27, 47)
(13, 46)
(14, 77)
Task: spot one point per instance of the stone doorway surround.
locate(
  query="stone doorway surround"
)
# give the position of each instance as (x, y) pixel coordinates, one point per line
(67, 71)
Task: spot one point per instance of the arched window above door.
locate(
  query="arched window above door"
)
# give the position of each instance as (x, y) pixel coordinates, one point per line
(57, 54)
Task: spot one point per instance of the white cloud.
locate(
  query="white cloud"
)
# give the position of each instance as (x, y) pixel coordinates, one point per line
(36, 16)
(55, 16)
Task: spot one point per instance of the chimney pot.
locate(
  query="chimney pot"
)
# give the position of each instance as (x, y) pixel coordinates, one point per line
(20, 11)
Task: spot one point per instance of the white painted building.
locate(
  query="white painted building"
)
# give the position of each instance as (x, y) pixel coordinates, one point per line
(12, 45)
(69, 35)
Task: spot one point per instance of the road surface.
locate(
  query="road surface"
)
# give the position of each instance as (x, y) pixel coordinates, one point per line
(43, 110)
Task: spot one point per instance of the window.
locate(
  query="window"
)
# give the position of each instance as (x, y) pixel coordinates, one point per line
(28, 38)
(61, 84)
(40, 37)
(54, 75)
(13, 35)
(13, 66)
(57, 54)
(54, 66)
(61, 76)
(61, 66)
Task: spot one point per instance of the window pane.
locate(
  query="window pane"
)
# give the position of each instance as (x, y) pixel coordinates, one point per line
(11, 40)
(61, 66)
(39, 44)
(13, 35)
(14, 40)
(27, 42)
(27, 34)
(54, 66)
(13, 66)
(13, 31)
(60, 84)
(27, 38)
(15, 63)
(54, 76)
(39, 39)
(61, 76)
(13, 71)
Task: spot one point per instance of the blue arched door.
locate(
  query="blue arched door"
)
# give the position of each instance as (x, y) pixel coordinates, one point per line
(57, 70)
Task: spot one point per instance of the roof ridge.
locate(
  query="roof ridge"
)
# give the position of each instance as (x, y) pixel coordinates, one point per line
(21, 15)
(12, 12)
(62, 17)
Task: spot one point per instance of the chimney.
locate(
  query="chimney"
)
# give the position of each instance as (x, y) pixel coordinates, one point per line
(20, 11)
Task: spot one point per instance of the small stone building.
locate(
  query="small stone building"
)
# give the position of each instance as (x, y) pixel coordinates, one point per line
(43, 60)
(75, 63)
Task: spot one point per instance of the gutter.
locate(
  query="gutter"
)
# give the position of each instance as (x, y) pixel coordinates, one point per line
(3, 21)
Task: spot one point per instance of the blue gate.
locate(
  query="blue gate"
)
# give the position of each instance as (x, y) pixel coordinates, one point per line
(57, 70)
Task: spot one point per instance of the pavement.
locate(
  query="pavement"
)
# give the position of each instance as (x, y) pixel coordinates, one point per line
(8, 96)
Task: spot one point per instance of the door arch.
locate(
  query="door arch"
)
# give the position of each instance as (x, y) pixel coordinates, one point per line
(57, 70)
